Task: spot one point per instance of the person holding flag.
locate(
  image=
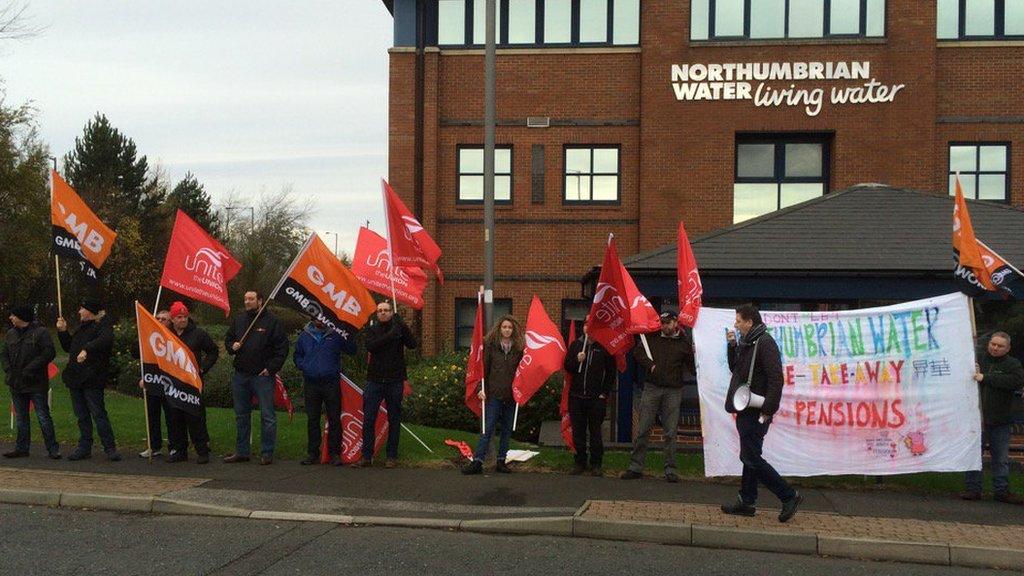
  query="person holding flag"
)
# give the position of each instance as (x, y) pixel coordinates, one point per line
(27, 352)
(669, 365)
(191, 423)
(592, 373)
(318, 356)
(86, 375)
(257, 340)
(154, 399)
(386, 341)
(503, 350)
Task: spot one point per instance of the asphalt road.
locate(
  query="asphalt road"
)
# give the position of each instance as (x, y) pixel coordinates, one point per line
(45, 541)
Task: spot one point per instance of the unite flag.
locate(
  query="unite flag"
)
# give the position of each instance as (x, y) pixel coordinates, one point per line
(352, 425)
(318, 284)
(687, 280)
(544, 354)
(372, 265)
(168, 365)
(475, 360)
(197, 265)
(77, 232)
(563, 404)
(411, 245)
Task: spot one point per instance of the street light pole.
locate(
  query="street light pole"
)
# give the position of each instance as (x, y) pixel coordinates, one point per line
(335, 241)
(489, 123)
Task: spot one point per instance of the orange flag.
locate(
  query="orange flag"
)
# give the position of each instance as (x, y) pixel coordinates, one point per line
(967, 257)
(77, 232)
(167, 363)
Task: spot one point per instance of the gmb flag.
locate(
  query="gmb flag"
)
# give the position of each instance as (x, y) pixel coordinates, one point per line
(318, 284)
(77, 232)
(167, 364)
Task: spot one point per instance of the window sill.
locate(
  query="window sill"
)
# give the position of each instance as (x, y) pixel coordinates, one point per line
(541, 50)
(980, 44)
(591, 204)
(474, 205)
(786, 42)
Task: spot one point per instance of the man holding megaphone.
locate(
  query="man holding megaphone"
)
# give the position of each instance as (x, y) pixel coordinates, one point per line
(754, 395)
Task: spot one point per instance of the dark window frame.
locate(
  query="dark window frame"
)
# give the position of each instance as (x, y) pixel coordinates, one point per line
(977, 144)
(563, 324)
(618, 174)
(459, 329)
(511, 173)
(999, 30)
(779, 140)
(501, 35)
(826, 24)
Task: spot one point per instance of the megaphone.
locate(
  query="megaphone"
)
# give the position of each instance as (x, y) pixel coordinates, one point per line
(744, 398)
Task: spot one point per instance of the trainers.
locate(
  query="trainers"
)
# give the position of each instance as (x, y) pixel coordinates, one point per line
(970, 495)
(235, 458)
(502, 468)
(179, 456)
(362, 463)
(266, 460)
(671, 477)
(113, 456)
(203, 458)
(16, 454)
(80, 454)
(1008, 498)
(630, 475)
(739, 508)
(149, 453)
(474, 467)
(577, 470)
(309, 461)
(789, 508)
(391, 463)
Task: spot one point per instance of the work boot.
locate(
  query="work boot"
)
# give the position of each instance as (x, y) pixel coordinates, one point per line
(474, 467)
(739, 508)
(16, 454)
(502, 468)
(970, 495)
(266, 460)
(391, 463)
(577, 470)
(203, 458)
(235, 459)
(1008, 498)
(596, 471)
(113, 455)
(79, 454)
(630, 475)
(789, 508)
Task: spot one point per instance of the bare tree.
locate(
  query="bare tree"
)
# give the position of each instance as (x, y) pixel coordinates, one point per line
(14, 22)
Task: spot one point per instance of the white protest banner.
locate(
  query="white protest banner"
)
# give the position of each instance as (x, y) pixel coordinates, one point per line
(875, 391)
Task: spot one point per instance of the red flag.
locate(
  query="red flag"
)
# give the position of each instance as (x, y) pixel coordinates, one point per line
(687, 280)
(543, 356)
(372, 265)
(475, 360)
(642, 317)
(281, 399)
(52, 371)
(352, 425)
(197, 265)
(563, 404)
(619, 309)
(461, 446)
(411, 245)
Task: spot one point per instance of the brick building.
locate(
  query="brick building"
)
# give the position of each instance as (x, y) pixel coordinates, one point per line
(625, 116)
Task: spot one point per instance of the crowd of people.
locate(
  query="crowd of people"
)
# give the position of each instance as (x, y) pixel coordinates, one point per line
(258, 344)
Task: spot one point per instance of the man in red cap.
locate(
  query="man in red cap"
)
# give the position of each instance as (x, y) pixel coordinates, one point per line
(184, 424)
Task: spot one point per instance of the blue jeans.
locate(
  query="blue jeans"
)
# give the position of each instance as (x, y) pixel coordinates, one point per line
(755, 467)
(88, 406)
(21, 414)
(997, 438)
(391, 394)
(505, 411)
(244, 387)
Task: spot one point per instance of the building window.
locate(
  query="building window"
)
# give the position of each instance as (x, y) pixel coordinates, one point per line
(774, 172)
(574, 310)
(780, 19)
(471, 174)
(984, 170)
(591, 174)
(465, 317)
(540, 22)
(980, 19)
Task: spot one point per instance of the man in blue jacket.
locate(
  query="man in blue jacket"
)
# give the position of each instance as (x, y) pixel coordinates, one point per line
(318, 356)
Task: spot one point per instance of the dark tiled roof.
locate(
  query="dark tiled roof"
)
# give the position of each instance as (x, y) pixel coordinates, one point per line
(864, 228)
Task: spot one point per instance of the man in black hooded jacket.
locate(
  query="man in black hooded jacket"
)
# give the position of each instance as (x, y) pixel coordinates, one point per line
(592, 371)
(26, 355)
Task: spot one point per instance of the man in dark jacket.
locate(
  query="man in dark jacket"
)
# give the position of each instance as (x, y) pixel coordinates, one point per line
(257, 341)
(26, 354)
(86, 376)
(386, 341)
(592, 370)
(670, 364)
(185, 424)
(318, 356)
(755, 361)
(999, 375)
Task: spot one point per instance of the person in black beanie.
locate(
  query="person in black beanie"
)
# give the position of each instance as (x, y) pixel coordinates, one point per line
(26, 354)
(86, 375)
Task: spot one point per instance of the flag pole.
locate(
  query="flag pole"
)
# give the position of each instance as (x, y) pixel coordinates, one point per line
(515, 417)
(647, 348)
(391, 253)
(159, 291)
(145, 396)
(406, 428)
(60, 305)
(579, 369)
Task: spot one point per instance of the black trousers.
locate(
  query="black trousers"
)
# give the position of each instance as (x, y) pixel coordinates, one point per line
(323, 395)
(755, 467)
(155, 405)
(183, 426)
(587, 415)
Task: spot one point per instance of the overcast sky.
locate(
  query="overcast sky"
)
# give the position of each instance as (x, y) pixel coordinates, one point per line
(249, 96)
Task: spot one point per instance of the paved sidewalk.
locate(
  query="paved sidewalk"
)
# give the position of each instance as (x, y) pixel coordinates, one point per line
(88, 482)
